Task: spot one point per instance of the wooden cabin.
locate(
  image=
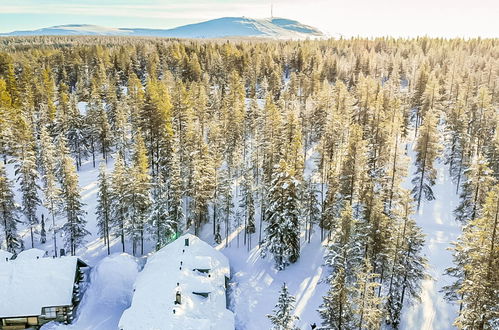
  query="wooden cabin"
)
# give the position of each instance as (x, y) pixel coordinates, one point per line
(39, 290)
(182, 286)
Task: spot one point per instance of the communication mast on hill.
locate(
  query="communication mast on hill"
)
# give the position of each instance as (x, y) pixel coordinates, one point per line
(271, 10)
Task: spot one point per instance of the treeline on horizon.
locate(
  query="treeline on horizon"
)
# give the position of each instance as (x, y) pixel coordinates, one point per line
(277, 139)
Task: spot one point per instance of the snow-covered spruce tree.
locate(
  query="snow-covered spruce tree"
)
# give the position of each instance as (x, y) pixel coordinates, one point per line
(457, 138)
(51, 189)
(345, 253)
(202, 185)
(311, 208)
(367, 304)
(27, 175)
(282, 217)
(476, 255)
(103, 209)
(119, 199)
(247, 203)
(175, 193)
(104, 133)
(76, 134)
(155, 121)
(8, 215)
(162, 225)
(427, 150)
(140, 197)
(407, 265)
(479, 180)
(122, 129)
(492, 152)
(225, 204)
(353, 167)
(283, 318)
(335, 310)
(72, 207)
(6, 117)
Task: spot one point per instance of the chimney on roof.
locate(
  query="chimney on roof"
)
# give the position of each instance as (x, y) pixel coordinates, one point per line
(186, 242)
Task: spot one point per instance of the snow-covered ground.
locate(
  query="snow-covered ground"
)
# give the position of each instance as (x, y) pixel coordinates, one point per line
(437, 221)
(255, 281)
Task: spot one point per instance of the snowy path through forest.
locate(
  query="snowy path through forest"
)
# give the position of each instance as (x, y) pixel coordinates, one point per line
(437, 221)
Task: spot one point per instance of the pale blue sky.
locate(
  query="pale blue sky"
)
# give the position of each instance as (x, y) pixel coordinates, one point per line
(446, 18)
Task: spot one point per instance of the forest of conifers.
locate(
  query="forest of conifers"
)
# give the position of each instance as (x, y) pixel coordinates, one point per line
(313, 136)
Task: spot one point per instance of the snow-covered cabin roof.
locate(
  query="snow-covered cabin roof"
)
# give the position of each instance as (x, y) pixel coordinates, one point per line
(153, 305)
(31, 254)
(4, 255)
(27, 285)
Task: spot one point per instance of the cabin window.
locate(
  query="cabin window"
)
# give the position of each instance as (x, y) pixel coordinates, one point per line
(202, 270)
(186, 242)
(202, 294)
(32, 320)
(50, 312)
(178, 298)
(14, 321)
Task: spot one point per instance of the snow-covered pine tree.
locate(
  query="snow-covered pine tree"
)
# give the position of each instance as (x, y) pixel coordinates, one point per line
(247, 203)
(311, 208)
(202, 185)
(353, 167)
(103, 209)
(155, 121)
(367, 304)
(344, 255)
(175, 192)
(336, 311)
(104, 133)
(74, 228)
(479, 180)
(476, 254)
(76, 134)
(8, 215)
(122, 129)
(458, 140)
(283, 219)
(427, 150)
(225, 204)
(27, 175)
(408, 265)
(283, 318)
(119, 199)
(140, 197)
(51, 189)
(6, 118)
(162, 224)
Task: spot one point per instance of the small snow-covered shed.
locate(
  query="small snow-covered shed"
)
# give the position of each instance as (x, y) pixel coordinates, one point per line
(36, 290)
(182, 286)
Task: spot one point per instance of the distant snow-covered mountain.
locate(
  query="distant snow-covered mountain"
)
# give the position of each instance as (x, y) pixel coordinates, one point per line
(278, 28)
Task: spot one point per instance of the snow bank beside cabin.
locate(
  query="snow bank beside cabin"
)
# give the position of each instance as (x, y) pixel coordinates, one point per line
(109, 294)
